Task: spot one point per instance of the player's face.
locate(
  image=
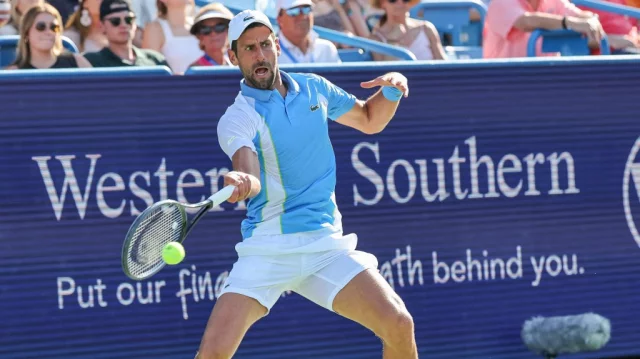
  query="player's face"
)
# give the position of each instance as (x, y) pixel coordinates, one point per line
(257, 56)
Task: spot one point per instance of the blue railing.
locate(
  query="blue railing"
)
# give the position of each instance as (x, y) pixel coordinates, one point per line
(345, 39)
(112, 72)
(609, 7)
(567, 42)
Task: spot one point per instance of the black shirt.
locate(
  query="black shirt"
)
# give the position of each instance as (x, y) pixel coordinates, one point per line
(144, 57)
(65, 60)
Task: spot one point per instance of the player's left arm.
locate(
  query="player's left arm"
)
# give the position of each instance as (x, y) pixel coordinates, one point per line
(373, 115)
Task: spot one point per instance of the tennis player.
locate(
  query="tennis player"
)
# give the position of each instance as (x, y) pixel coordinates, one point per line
(276, 134)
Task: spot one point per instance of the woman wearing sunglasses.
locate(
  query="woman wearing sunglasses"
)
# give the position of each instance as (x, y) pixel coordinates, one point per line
(211, 27)
(83, 27)
(397, 28)
(40, 45)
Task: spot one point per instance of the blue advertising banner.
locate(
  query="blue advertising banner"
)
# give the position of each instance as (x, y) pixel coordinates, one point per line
(498, 193)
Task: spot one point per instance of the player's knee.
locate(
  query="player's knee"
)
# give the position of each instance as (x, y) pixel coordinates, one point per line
(397, 326)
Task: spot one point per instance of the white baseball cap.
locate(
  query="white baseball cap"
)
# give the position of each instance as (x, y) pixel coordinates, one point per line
(245, 18)
(288, 4)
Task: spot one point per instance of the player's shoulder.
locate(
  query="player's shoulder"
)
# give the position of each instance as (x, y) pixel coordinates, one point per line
(305, 79)
(242, 109)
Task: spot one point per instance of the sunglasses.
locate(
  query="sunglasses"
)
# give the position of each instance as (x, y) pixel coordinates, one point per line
(116, 21)
(41, 26)
(305, 10)
(394, 1)
(217, 28)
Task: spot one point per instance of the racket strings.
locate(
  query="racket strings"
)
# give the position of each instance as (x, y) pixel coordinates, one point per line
(160, 226)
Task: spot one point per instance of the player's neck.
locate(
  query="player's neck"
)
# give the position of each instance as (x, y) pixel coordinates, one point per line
(280, 85)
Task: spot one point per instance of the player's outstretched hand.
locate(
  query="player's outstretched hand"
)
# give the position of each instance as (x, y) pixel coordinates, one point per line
(242, 181)
(393, 79)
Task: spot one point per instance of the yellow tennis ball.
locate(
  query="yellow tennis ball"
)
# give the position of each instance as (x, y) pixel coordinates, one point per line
(173, 253)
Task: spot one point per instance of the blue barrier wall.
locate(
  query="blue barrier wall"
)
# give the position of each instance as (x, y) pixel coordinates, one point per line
(498, 192)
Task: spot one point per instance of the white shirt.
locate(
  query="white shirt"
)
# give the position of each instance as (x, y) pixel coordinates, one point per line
(319, 51)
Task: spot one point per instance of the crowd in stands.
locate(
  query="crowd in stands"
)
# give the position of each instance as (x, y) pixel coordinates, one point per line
(179, 35)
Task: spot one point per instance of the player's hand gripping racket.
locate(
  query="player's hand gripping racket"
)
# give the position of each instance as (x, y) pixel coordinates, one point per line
(163, 222)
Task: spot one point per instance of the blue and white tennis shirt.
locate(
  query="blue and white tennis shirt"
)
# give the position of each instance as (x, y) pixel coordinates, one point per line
(297, 163)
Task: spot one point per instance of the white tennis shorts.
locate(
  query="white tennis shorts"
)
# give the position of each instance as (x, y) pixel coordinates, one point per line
(315, 267)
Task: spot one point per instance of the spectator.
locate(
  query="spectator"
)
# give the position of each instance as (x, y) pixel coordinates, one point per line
(397, 28)
(622, 31)
(65, 7)
(84, 29)
(40, 45)
(119, 26)
(509, 24)
(341, 15)
(146, 12)
(211, 27)
(5, 16)
(18, 8)
(298, 42)
(170, 34)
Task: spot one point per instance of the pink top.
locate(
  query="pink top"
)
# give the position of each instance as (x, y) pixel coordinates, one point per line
(502, 40)
(615, 24)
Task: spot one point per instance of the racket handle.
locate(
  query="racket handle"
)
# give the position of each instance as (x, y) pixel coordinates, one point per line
(222, 195)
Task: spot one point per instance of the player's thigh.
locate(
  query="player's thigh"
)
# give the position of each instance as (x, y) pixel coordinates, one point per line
(330, 272)
(232, 315)
(368, 299)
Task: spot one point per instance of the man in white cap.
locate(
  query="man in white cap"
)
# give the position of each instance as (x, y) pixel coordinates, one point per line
(276, 135)
(298, 42)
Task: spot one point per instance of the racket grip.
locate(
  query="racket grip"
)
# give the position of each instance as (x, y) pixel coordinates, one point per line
(222, 195)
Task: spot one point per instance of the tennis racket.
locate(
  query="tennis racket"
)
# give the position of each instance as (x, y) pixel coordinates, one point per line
(161, 223)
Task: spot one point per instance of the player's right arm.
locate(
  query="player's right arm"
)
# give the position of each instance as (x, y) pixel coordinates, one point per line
(236, 131)
(245, 175)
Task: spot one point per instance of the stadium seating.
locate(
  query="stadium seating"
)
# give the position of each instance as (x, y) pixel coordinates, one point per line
(452, 17)
(566, 42)
(354, 55)
(9, 45)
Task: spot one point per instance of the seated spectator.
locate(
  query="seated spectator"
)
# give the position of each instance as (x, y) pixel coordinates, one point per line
(170, 34)
(5, 16)
(146, 12)
(84, 29)
(347, 16)
(509, 24)
(396, 27)
(18, 8)
(298, 42)
(622, 31)
(211, 27)
(40, 45)
(119, 26)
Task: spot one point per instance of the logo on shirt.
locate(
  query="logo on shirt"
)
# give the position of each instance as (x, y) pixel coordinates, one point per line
(314, 107)
(231, 139)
